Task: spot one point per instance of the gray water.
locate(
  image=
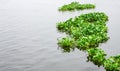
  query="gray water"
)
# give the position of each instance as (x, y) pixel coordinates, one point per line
(28, 35)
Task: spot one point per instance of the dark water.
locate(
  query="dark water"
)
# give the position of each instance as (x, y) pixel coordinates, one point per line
(28, 35)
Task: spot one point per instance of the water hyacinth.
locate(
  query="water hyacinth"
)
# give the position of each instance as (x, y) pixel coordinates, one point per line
(112, 64)
(87, 30)
(67, 44)
(96, 55)
(83, 21)
(94, 17)
(91, 41)
(76, 6)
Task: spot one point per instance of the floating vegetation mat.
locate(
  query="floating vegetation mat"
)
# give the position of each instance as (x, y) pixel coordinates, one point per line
(86, 32)
(112, 64)
(96, 55)
(76, 6)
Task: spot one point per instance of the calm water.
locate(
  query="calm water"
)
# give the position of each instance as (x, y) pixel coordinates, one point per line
(28, 35)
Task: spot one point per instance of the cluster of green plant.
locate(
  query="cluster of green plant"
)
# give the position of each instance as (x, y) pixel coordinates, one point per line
(96, 55)
(87, 30)
(67, 44)
(87, 21)
(76, 6)
(91, 41)
(112, 64)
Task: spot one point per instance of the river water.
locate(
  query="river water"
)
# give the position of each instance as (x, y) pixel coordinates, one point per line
(28, 35)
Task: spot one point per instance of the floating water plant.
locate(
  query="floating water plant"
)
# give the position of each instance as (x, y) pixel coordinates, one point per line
(96, 55)
(76, 6)
(86, 32)
(67, 44)
(112, 64)
(85, 22)
(91, 41)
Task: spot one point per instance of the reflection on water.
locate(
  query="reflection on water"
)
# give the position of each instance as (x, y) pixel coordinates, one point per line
(28, 35)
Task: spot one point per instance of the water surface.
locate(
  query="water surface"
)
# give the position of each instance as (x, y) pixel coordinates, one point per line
(28, 35)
